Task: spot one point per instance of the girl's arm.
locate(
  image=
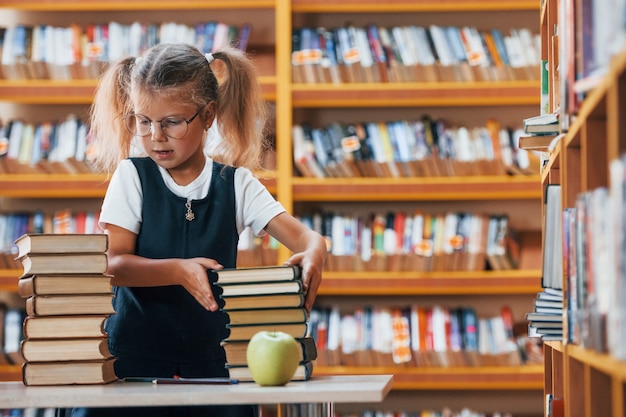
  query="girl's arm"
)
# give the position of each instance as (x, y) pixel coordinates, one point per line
(131, 270)
(309, 250)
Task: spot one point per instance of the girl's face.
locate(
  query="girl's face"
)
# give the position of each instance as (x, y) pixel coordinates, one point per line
(176, 135)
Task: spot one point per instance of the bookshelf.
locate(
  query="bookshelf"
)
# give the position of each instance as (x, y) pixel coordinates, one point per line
(588, 381)
(509, 101)
(584, 379)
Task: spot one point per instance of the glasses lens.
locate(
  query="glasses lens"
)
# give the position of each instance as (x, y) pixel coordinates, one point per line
(138, 124)
(174, 127)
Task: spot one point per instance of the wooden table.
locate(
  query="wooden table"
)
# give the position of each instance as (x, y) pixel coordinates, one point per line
(322, 390)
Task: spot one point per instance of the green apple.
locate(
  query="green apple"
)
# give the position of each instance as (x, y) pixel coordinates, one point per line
(272, 357)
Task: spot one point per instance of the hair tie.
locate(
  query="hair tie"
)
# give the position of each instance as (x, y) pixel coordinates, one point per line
(138, 60)
(209, 57)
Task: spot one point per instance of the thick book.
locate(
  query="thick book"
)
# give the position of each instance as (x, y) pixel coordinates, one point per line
(257, 274)
(65, 327)
(60, 305)
(264, 316)
(69, 373)
(541, 317)
(236, 351)
(55, 350)
(245, 332)
(262, 301)
(304, 371)
(258, 288)
(61, 243)
(58, 284)
(77, 263)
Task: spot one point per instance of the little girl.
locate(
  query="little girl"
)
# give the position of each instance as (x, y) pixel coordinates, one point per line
(176, 213)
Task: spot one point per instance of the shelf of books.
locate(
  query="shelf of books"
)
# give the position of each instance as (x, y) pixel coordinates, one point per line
(461, 94)
(421, 97)
(584, 368)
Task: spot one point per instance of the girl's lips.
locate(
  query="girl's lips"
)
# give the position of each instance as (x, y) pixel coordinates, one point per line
(162, 153)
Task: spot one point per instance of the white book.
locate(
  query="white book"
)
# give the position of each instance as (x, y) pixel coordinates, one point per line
(422, 47)
(411, 42)
(26, 144)
(334, 328)
(337, 235)
(15, 139)
(439, 321)
(362, 44)
(366, 243)
(532, 54)
(514, 51)
(475, 241)
(478, 145)
(349, 335)
(8, 56)
(81, 141)
(408, 59)
(450, 227)
(417, 231)
(116, 41)
(377, 147)
(505, 147)
(440, 41)
(465, 148)
(382, 328)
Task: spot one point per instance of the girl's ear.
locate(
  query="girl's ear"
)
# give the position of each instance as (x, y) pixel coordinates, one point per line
(208, 115)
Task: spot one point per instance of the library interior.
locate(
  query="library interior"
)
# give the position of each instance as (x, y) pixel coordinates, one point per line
(464, 161)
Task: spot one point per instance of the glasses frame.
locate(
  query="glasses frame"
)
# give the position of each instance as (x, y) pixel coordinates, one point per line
(160, 122)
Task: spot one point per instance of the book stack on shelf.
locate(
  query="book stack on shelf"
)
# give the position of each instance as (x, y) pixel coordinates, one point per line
(258, 299)
(432, 53)
(546, 320)
(418, 241)
(81, 52)
(428, 147)
(416, 335)
(545, 124)
(68, 299)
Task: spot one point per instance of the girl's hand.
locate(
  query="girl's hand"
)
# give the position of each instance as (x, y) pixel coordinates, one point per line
(195, 280)
(309, 251)
(311, 275)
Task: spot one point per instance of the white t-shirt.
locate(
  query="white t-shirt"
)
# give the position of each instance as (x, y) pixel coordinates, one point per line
(122, 204)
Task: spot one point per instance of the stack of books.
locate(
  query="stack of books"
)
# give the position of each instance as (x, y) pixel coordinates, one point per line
(546, 321)
(258, 299)
(68, 299)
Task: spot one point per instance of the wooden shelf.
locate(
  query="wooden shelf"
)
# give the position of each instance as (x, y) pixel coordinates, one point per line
(455, 94)
(82, 5)
(400, 283)
(10, 373)
(8, 280)
(77, 91)
(369, 6)
(53, 185)
(425, 283)
(528, 377)
(65, 185)
(417, 189)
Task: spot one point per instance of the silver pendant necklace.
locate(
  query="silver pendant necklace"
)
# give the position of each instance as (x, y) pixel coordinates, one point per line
(189, 215)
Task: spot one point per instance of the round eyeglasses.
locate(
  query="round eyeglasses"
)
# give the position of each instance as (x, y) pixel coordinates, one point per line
(173, 127)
